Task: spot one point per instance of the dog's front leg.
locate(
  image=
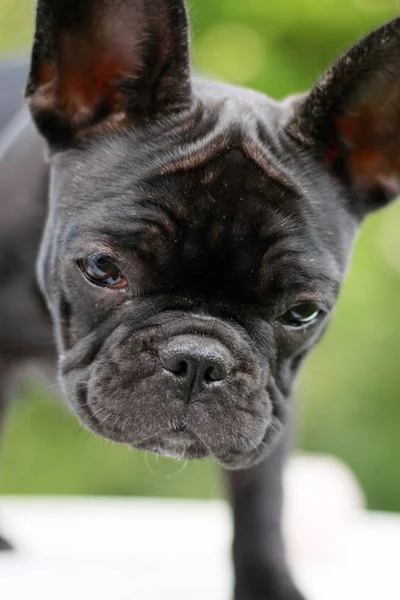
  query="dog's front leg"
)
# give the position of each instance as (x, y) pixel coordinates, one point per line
(261, 572)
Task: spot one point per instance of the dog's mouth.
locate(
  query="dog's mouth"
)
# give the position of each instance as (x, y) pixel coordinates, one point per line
(181, 442)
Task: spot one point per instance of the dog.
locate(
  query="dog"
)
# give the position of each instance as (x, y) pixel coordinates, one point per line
(195, 243)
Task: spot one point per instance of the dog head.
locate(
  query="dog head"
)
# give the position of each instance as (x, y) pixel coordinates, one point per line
(198, 234)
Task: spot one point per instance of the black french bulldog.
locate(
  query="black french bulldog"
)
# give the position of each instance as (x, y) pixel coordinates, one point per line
(195, 244)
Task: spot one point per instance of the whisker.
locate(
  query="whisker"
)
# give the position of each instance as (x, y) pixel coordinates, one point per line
(105, 418)
(98, 411)
(125, 425)
(180, 470)
(146, 459)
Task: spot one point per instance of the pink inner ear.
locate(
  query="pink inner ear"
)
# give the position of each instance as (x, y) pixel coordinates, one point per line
(88, 69)
(371, 146)
(86, 76)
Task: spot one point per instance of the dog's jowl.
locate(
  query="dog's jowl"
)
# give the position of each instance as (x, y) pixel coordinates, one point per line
(196, 239)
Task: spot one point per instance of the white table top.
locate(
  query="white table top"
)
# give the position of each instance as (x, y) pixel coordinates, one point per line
(124, 549)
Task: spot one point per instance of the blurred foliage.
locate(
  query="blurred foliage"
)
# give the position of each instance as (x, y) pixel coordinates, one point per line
(349, 391)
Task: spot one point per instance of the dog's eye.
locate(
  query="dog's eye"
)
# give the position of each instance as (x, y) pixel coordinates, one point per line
(301, 315)
(100, 269)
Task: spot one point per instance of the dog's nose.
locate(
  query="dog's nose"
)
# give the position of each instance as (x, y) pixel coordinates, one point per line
(197, 361)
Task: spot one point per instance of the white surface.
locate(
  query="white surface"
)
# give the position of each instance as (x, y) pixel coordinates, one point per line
(116, 549)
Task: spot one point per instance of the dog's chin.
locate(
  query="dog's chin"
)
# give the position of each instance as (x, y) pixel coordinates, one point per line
(185, 443)
(177, 445)
(187, 446)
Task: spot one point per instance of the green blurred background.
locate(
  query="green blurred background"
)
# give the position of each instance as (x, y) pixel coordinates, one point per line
(349, 391)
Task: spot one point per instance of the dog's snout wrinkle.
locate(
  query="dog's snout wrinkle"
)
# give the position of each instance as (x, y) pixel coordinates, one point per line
(196, 361)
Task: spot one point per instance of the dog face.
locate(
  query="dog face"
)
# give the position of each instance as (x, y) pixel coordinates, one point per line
(198, 234)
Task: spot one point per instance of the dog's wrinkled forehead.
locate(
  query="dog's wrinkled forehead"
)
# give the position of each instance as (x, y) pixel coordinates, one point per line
(225, 213)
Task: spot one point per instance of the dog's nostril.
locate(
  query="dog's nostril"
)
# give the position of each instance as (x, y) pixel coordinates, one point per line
(180, 369)
(214, 373)
(174, 364)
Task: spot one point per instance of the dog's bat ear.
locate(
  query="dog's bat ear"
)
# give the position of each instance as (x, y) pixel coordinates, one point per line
(106, 63)
(352, 118)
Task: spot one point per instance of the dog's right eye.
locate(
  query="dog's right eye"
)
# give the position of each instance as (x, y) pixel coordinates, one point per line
(301, 315)
(100, 270)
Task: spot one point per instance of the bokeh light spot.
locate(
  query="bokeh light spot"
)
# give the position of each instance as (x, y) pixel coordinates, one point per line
(232, 52)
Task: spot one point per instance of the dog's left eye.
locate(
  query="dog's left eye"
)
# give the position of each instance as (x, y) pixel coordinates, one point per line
(100, 270)
(301, 315)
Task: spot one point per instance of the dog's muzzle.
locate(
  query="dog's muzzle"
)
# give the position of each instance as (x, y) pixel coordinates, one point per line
(184, 387)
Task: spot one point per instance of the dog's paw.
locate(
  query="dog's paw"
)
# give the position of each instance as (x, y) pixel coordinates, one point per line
(4, 545)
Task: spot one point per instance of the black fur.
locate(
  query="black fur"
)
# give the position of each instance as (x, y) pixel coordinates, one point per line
(222, 208)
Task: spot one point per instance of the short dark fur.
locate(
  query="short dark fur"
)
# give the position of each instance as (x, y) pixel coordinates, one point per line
(222, 208)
